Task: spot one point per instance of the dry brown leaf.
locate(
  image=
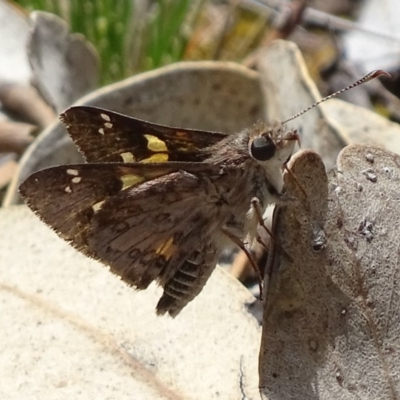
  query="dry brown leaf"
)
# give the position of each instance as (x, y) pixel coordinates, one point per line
(332, 321)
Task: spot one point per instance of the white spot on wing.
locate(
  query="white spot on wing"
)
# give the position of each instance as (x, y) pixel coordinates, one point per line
(101, 131)
(108, 125)
(77, 179)
(67, 189)
(73, 172)
(105, 117)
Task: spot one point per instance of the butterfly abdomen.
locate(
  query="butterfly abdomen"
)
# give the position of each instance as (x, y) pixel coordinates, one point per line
(187, 282)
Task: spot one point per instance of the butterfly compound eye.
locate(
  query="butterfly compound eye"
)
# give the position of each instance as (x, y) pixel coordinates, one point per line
(262, 148)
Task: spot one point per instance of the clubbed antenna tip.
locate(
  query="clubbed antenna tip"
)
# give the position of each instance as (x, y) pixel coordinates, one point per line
(366, 78)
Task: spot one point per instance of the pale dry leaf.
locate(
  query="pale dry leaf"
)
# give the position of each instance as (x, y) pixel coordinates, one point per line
(359, 125)
(64, 65)
(210, 95)
(332, 321)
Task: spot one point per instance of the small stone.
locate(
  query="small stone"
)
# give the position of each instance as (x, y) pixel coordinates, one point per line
(370, 175)
(370, 158)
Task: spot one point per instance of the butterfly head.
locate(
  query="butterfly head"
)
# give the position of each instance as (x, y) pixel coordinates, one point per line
(274, 144)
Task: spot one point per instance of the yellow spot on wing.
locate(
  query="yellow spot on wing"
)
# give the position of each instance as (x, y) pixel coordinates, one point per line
(166, 249)
(155, 144)
(127, 157)
(131, 180)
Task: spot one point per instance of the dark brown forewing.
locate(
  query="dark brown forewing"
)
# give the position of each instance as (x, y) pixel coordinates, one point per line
(106, 136)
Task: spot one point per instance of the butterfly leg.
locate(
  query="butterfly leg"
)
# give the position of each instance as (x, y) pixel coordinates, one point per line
(235, 239)
(255, 203)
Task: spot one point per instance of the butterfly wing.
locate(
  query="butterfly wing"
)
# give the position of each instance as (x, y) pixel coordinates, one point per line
(106, 136)
(143, 220)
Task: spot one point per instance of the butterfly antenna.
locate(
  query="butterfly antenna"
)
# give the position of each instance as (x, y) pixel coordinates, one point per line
(366, 78)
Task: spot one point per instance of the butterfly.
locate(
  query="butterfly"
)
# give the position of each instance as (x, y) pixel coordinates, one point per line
(157, 203)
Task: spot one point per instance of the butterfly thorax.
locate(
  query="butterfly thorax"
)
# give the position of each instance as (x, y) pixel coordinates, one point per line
(243, 177)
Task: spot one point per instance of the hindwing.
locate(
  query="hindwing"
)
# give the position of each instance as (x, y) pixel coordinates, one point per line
(142, 220)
